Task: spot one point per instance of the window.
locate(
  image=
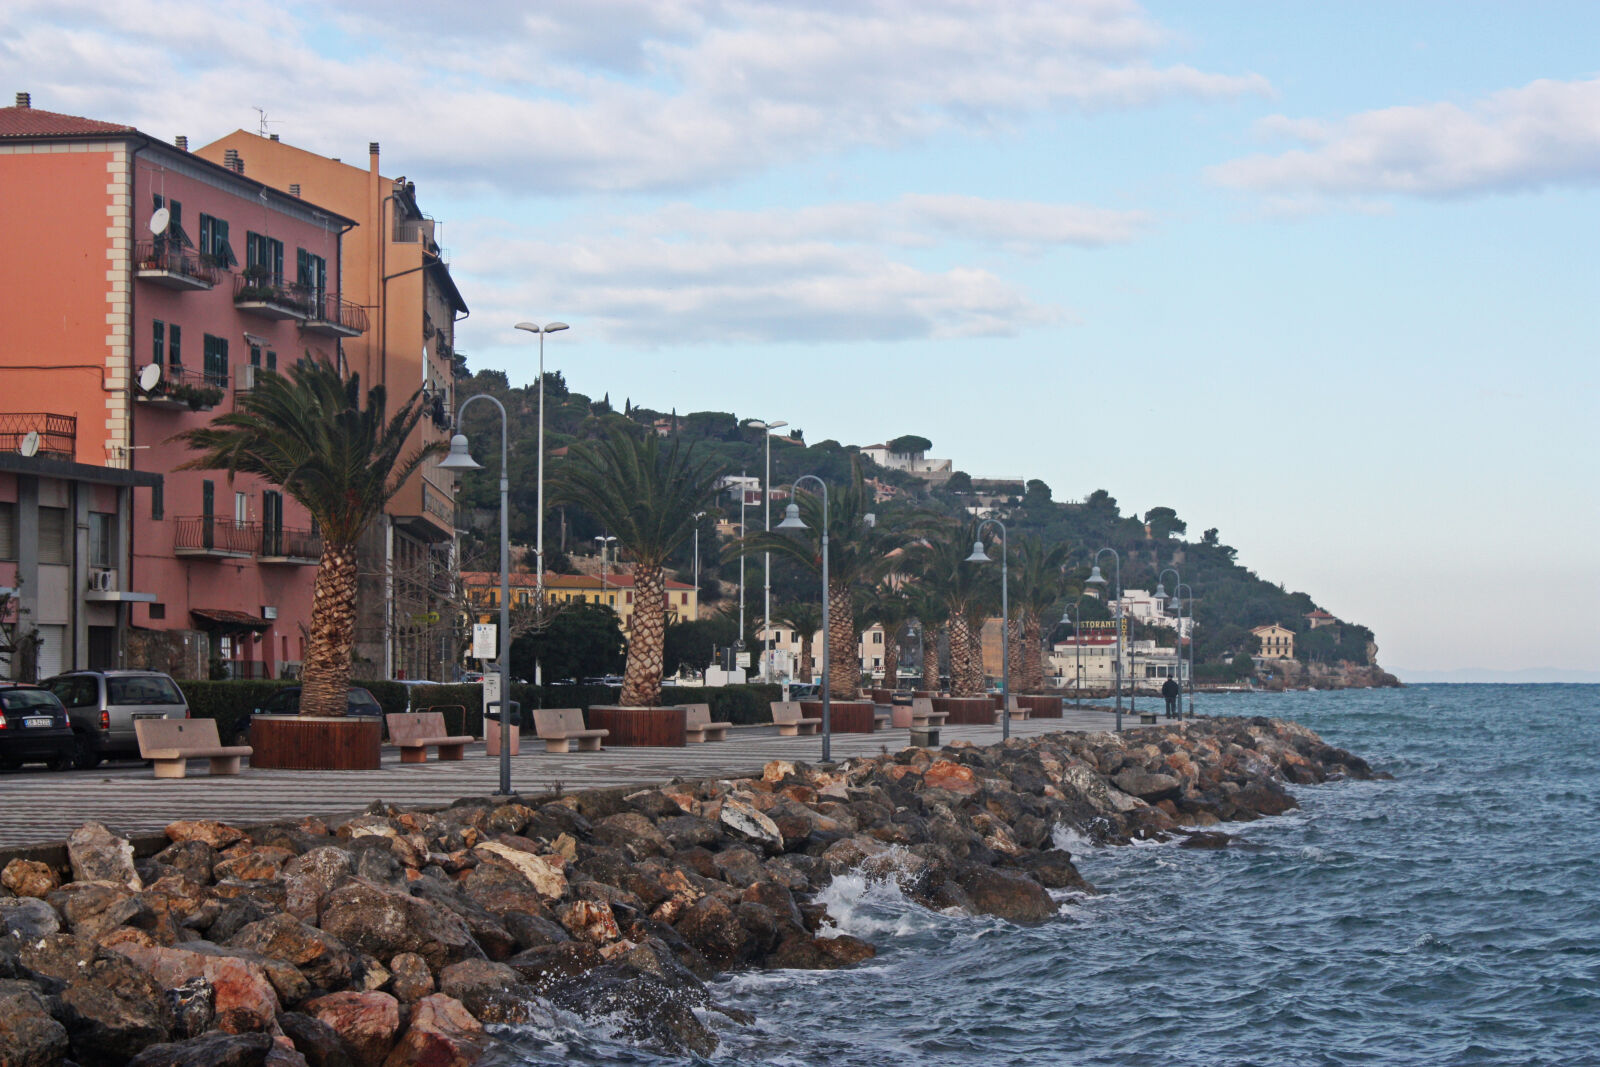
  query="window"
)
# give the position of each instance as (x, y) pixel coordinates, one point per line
(312, 272)
(272, 360)
(54, 532)
(216, 356)
(158, 501)
(102, 539)
(158, 611)
(158, 342)
(214, 241)
(175, 345)
(255, 354)
(8, 531)
(241, 507)
(263, 251)
(208, 498)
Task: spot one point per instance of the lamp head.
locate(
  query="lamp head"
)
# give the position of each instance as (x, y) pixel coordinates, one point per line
(978, 554)
(791, 519)
(459, 458)
(1175, 604)
(1161, 591)
(1095, 578)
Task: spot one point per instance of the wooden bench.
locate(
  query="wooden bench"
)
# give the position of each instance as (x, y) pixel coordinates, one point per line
(417, 731)
(791, 723)
(559, 727)
(698, 727)
(923, 715)
(171, 743)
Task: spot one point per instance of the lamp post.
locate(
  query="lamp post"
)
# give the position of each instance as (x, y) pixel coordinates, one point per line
(980, 556)
(791, 521)
(697, 517)
(538, 544)
(1077, 643)
(766, 557)
(460, 459)
(1160, 595)
(605, 543)
(1175, 593)
(744, 498)
(1095, 578)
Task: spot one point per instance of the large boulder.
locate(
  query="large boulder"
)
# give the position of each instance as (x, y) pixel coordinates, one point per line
(98, 855)
(743, 821)
(641, 1006)
(368, 1022)
(29, 1037)
(29, 878)
(382, 921)
(543, 874)
(27, 918)
(493, 992)
(1150, 788)
(442, 1034)
(214, 834)
(317, 954)
(213, 1050)
(244, 999)
(1005, 894)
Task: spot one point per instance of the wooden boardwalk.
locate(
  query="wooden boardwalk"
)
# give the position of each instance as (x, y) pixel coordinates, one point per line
(38, 807)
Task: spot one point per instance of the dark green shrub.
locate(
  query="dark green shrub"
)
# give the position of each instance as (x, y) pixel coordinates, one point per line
(741, 705)
(228, 702)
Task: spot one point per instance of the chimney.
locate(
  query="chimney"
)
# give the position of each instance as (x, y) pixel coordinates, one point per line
(182, 142)
(294, 189)
(26, 100)
(231, 160)
(372, 148)
(272, 137)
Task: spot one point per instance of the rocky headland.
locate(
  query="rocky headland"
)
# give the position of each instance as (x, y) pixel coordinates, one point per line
(395, 937)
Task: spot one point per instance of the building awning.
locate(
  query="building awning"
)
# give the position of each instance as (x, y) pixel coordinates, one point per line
(233, 620)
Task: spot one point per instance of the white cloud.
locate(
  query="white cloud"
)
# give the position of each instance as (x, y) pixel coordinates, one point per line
(600, 95)
(1542, 134)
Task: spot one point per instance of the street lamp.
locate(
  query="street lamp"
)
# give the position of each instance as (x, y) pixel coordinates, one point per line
(791, 521)
(1180, 587)
(697, 517)
(1095, 578)
(1175, 605)
(605, 542)
(460, 459)
(766, 557)
(538, 545)
(1077, 643)
(980, 556)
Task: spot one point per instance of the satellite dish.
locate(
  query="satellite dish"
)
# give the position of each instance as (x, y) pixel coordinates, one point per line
(149, 376)
(160, 220)
(30, 443)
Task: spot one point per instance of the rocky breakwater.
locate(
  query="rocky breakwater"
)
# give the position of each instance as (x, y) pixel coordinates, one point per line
(395, 937)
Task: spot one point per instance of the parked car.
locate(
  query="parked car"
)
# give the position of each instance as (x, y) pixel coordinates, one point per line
(805, 690)
(34, 728)
(103, 706)
(286, 701)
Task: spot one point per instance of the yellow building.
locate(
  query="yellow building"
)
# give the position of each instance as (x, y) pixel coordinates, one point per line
(615, 591)
(1277, 642)
(394, 271)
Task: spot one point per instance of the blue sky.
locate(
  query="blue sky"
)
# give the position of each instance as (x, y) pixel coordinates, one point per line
(1319, 275)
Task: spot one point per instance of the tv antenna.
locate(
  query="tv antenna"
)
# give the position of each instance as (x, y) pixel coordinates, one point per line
(149, 376)
(160, 221)
(262, 121)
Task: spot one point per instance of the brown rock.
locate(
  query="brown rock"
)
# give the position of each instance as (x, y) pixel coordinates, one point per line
(253, 865)
(442, 1034)
(319, 955)
(217, 835)
(1005, 894)
(29, 1037)
(98, 855)
(244, 998)
(542, 873)
(368, 1022)
(383, 922)
(314, 1039)
(953, 777)
(29, 878)
(711, 927)
(213, 1050)
(589, 920)
(412, 980)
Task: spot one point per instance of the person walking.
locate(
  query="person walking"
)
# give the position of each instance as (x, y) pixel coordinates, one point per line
(1171, 689)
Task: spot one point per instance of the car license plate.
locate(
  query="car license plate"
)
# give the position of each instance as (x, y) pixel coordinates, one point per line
(150, 715)
(43, 721)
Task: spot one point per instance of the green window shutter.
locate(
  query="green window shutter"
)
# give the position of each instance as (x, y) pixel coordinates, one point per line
(158, 341)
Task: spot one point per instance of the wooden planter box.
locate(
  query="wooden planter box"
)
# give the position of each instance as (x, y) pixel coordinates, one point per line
(1041, 707)
(967, 711)
(638, 727)
(844, 716)
(314, 743)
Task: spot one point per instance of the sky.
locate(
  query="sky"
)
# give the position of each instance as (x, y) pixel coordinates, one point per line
(1322, 276)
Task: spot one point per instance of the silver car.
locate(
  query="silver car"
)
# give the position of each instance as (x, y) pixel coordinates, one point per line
(103, 706)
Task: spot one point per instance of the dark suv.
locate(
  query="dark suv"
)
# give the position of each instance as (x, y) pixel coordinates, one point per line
(33, 728)
(103, 706)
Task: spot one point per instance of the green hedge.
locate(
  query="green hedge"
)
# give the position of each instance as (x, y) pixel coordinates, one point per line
(230, 703)
(740, 704)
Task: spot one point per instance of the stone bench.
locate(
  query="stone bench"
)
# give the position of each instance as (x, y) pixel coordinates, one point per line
(790, 722)
(1019, 711)
(923, 715)
(171, 743)
(559, 727)
(698, 727)
(417, 731)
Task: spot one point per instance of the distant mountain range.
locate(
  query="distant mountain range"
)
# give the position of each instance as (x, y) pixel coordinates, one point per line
(1484, 675)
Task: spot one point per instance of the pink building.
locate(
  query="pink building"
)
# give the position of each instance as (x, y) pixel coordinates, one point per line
(157, 285)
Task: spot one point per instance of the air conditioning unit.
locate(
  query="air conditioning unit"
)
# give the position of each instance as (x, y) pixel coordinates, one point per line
(245, 379)
(101, 581)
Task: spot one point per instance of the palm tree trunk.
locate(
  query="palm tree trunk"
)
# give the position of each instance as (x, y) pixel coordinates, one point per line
(1032, 654)
(930, 658)
(805, 657)
(975, 662)
(325, 675)
(641, 677)
(961, 683)
(891, 659)
(844, 646)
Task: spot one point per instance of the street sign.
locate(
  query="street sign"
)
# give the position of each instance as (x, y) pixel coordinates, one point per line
(483, 642)
(742, 659)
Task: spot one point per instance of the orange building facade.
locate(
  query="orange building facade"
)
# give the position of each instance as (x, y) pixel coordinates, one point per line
(393, 268)
(137, 335)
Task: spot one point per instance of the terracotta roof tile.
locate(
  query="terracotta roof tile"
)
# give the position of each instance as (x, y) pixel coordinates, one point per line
(32, 122)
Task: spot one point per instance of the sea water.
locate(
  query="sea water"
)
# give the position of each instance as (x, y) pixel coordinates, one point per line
(1451, 916)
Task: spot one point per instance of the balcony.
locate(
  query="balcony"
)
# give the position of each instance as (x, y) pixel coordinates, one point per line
(271, 299)
(299, 548)
(336, 318)
(172, 266)
(213, 537)
(57, 434)
(184, 389)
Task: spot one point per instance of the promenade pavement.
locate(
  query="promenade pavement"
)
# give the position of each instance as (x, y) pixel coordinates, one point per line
(42, 807)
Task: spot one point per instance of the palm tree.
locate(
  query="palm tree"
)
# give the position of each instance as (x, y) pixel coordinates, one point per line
(966, 593)
(805, 618)
(859, 553)
(647, 498)
(929, 610)
(308, 433)
(1037, 582)
(888, 604)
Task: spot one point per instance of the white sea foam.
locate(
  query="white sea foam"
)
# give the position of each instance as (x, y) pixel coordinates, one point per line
(865, 906)
(1070, 839)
